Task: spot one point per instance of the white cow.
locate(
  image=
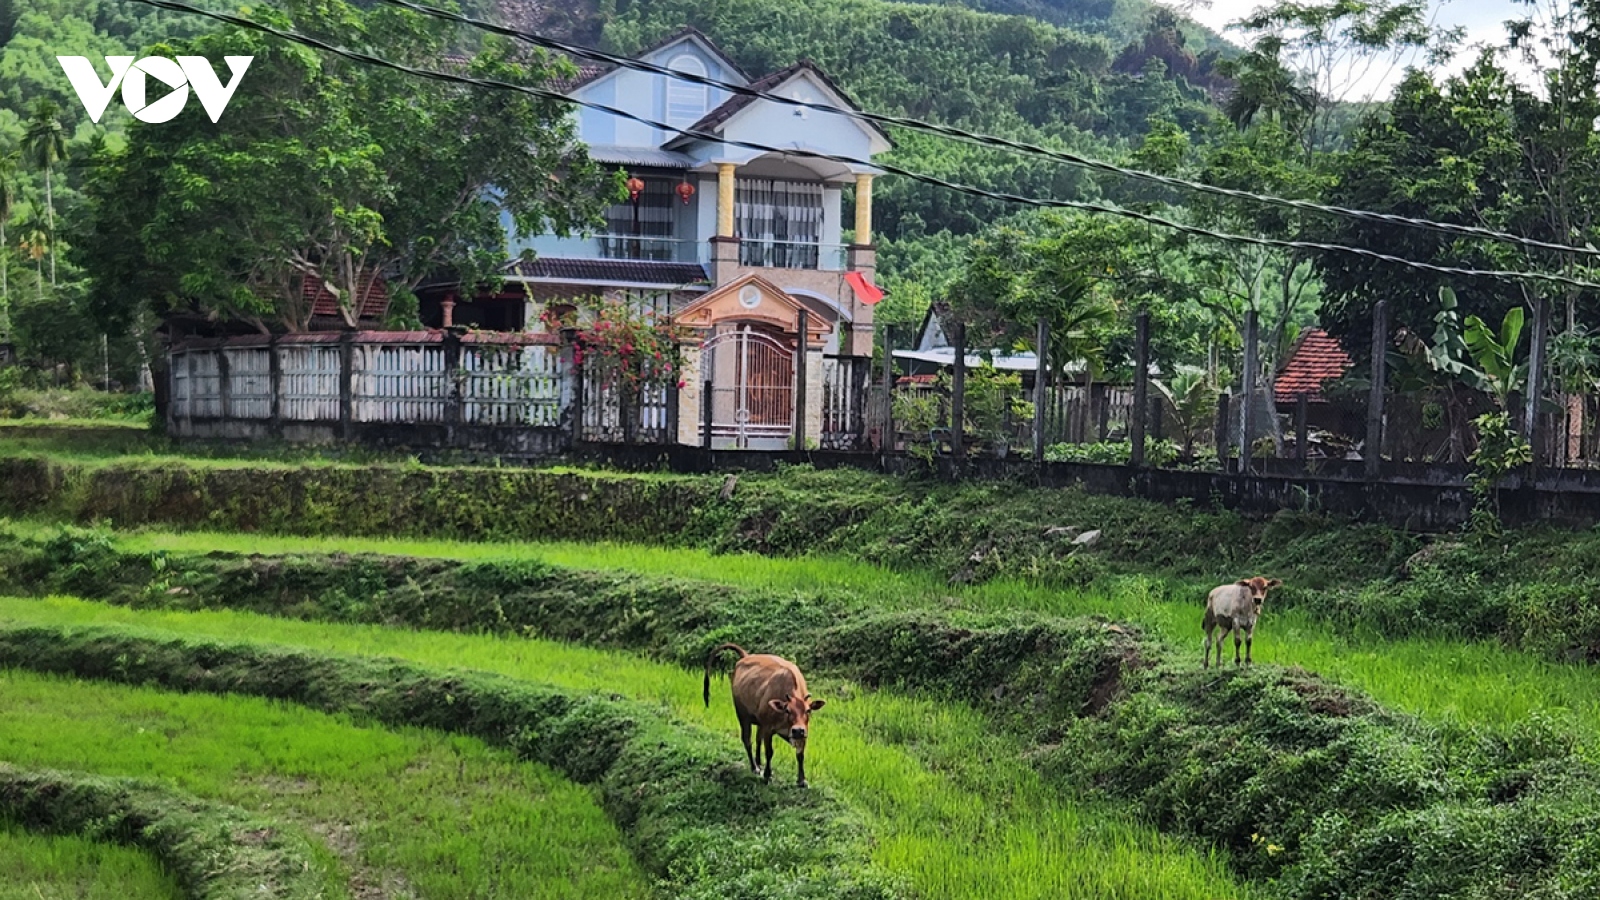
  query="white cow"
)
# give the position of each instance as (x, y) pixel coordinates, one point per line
(1235, 607)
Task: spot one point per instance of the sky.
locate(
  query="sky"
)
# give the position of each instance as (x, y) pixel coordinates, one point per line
(1482, 20)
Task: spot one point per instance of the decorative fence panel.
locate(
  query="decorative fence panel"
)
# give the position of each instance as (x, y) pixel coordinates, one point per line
(399, 383)
(197, 385)
(512, 385)
(844, 381)
(310, 383)
(249, 382)
(612, 414)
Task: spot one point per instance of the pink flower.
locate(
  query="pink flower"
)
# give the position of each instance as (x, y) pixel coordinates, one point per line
(681, 383)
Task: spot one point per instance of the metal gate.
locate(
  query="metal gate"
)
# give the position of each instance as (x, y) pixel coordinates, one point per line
(752, 389)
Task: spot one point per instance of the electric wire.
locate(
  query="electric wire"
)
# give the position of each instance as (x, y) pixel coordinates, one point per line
(981, 139)
(1044, 203)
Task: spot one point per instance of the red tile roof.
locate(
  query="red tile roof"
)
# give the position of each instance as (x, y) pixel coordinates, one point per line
(1315, 360)
(374, 301)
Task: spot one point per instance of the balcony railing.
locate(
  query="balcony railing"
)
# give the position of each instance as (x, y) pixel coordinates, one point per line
(657, 249)
(792, 254)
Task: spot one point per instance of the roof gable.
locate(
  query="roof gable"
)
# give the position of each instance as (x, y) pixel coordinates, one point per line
(752, 298)
(785, 82)
(661, 54)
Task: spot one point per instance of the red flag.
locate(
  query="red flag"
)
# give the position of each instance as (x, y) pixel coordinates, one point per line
(866, 292)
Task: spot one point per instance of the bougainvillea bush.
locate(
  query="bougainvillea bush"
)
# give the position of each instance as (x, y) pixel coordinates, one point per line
(625, 341)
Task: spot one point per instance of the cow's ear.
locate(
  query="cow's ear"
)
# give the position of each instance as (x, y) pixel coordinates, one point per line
(779, 705)
(1243, 582)
(1276, 582)
(818, 704)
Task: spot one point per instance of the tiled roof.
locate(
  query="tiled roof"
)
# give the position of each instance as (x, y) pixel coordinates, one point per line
(1315, 360)
(374, 301)
(609, 271)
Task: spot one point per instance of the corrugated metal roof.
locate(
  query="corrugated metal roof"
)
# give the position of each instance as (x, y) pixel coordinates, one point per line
(639, 156)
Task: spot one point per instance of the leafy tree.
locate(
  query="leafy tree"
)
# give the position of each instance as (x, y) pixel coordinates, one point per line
(370, 170)
(1193, 401)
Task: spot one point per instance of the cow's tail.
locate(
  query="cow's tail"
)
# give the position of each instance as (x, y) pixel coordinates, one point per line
(710, 657)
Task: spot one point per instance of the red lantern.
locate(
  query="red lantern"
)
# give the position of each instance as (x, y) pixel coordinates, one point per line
(635, 187)
(685, 191)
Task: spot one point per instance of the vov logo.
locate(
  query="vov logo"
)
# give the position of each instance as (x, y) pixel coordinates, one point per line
(180, 75)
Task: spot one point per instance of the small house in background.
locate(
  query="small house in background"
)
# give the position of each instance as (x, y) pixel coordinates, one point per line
(1316, 360)
(933, 353)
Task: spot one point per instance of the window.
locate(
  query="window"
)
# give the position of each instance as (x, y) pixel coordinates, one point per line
(657, 212)
(779, 223)
(686, 101)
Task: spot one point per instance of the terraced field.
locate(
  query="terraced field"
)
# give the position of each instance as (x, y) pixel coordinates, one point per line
(976, 716)
(68, 867)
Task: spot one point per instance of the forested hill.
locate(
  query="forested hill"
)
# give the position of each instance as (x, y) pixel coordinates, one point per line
(1086, 75)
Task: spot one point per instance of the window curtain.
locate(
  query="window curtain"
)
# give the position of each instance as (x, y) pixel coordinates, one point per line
(779, 223)
(657, 213)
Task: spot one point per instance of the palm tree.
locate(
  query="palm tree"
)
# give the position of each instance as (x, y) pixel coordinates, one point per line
(1191, 399)
(45, 142)
(8, 199)
(35, 243)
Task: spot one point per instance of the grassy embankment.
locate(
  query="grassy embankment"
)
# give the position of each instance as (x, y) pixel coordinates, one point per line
(922, 771)
(67, 867)
(409, 813)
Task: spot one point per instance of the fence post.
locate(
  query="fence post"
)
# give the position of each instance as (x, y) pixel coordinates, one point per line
(569, 337)
(275, 380)
(958, 396)
(800, 397)
(1141, 385)
(1103, 411)
(347, 363)
(1220, 432)
(886, 443)
(1247, 413)
(454, 402)
(222, 380)
(1302, 407)
(705, 414)
(1041, 377)
(1536, 363)
(1380, 346)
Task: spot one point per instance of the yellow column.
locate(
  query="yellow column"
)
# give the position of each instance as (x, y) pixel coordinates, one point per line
(725, 199)
(864, 210)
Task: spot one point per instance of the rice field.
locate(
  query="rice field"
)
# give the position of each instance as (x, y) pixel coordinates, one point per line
(1450, 681)
(402, 813)
(951, 806)
(65, 867)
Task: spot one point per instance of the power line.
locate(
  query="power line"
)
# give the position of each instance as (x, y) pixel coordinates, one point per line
(891, 168)
(993, 141)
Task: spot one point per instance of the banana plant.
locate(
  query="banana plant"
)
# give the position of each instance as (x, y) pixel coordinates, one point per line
(1497, 371)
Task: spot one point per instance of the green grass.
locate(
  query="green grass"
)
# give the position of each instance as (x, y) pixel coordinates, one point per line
(951, 806)
(65, 867)
(1443, 680)
(410, 813)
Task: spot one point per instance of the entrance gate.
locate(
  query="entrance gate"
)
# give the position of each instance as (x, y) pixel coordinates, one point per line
(752, 389)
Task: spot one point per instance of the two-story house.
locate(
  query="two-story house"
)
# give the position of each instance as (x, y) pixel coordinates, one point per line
(732, 242)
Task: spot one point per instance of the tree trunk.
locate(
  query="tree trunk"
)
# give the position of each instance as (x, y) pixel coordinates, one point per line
(50, 217)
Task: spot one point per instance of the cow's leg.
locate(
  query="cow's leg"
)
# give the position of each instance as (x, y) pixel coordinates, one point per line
(744, 732)
(1210, 625)
(764, 742)
(1249, 638)
(1237, 640)
(800, 762)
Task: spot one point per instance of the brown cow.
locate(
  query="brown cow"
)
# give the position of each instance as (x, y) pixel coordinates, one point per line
(1235, 607)
(769, 693)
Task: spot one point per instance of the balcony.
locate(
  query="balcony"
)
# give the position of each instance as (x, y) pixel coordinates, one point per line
(776, 254)
(654, 249)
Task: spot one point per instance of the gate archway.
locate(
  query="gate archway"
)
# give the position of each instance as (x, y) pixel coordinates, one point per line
(752, 388)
